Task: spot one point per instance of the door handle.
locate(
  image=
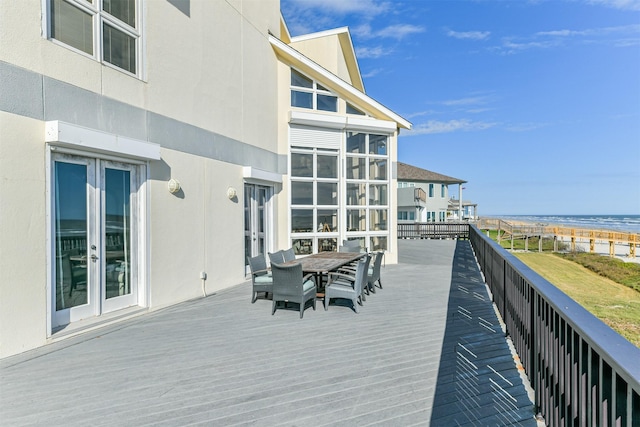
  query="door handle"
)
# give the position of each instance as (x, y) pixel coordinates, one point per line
(94, 257)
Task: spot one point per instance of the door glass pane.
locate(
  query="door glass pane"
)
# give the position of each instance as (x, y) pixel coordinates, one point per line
(72, 26)
(117, 232)
(119, 48)
(70, 235)
(124, 10)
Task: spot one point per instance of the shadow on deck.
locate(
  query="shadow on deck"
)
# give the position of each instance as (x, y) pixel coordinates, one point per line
(427, 349)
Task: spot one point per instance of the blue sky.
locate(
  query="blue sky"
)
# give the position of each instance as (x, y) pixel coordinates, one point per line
(535, 103)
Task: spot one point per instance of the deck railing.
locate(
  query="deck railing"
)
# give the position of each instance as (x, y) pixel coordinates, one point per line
(582, 372)
(433, 230)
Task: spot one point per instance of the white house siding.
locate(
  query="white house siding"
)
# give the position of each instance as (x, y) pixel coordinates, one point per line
(203, 96)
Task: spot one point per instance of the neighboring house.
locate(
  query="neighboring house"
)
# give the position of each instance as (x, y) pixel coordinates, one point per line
(148, 147)
(423, 195)
(469, 210)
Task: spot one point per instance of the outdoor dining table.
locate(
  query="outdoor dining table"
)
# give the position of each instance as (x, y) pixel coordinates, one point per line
(323, 263)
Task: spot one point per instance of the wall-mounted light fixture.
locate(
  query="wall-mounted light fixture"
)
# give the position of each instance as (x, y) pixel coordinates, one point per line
(232, 193)
(173, 185)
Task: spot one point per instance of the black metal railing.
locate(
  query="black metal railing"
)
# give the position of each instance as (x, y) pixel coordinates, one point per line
(582, 372)
(433, 230)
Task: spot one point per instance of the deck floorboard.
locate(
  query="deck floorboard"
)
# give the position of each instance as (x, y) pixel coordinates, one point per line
(427, 349)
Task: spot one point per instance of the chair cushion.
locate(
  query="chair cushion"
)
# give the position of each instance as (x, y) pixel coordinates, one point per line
(309, 284)
(264, 278)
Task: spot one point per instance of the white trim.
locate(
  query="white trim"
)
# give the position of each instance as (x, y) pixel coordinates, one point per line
(319, 34)
(249, 172)
(63, 134)
(293, 55)
(332, 121)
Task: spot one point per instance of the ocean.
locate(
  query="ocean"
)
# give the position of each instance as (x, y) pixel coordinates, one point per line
(625, 223)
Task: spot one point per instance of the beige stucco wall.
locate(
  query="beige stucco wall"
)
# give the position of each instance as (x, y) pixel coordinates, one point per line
(23, 271)
(326, 51)
(214, 70)
(197, 229)
(213, 79)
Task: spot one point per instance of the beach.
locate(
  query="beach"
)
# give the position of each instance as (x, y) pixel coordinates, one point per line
(601, 246)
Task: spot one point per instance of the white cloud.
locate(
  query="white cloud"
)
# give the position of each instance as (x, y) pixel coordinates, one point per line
(398, 31)
(435, 126)
(469, 35)
(620, 36)
(372, 52)
(344, 7)
(372, 73)
(618, 4)
(473, 100)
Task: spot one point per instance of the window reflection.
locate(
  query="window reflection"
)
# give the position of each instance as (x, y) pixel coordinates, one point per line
(327, 220)
(117, 233)
(301, 193)
(70, 212)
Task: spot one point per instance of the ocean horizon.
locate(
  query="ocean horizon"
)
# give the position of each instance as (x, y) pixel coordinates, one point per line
(624, 223)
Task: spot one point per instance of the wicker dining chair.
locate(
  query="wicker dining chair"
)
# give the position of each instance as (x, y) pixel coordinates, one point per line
(341, 285)
(261, 279)
(374, 273)
(288, 255)
(276, 257)
(289, 285)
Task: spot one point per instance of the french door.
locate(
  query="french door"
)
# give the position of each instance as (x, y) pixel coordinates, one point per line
(257, 214)
(95, 237)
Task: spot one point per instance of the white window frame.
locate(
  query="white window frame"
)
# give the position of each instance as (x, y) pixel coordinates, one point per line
(316, 234)
(368, 233)
(100, 17)
(314, 91)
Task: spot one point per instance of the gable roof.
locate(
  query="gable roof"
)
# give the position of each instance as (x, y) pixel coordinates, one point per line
(334, 83)
(412, 173)
(346, 46)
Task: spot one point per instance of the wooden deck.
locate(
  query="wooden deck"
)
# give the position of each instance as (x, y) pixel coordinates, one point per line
(425, 350)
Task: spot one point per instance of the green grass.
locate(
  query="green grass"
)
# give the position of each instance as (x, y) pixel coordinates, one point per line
(627, 274)
(607, 287)
(617, 305)
(519, 244)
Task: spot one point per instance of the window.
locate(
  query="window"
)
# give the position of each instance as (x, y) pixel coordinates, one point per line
(430, 190)
(443, 191)
(107, 30)
(314, 199)
(367, 185)
(306, 93)
(353, 110)
(406, 216)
